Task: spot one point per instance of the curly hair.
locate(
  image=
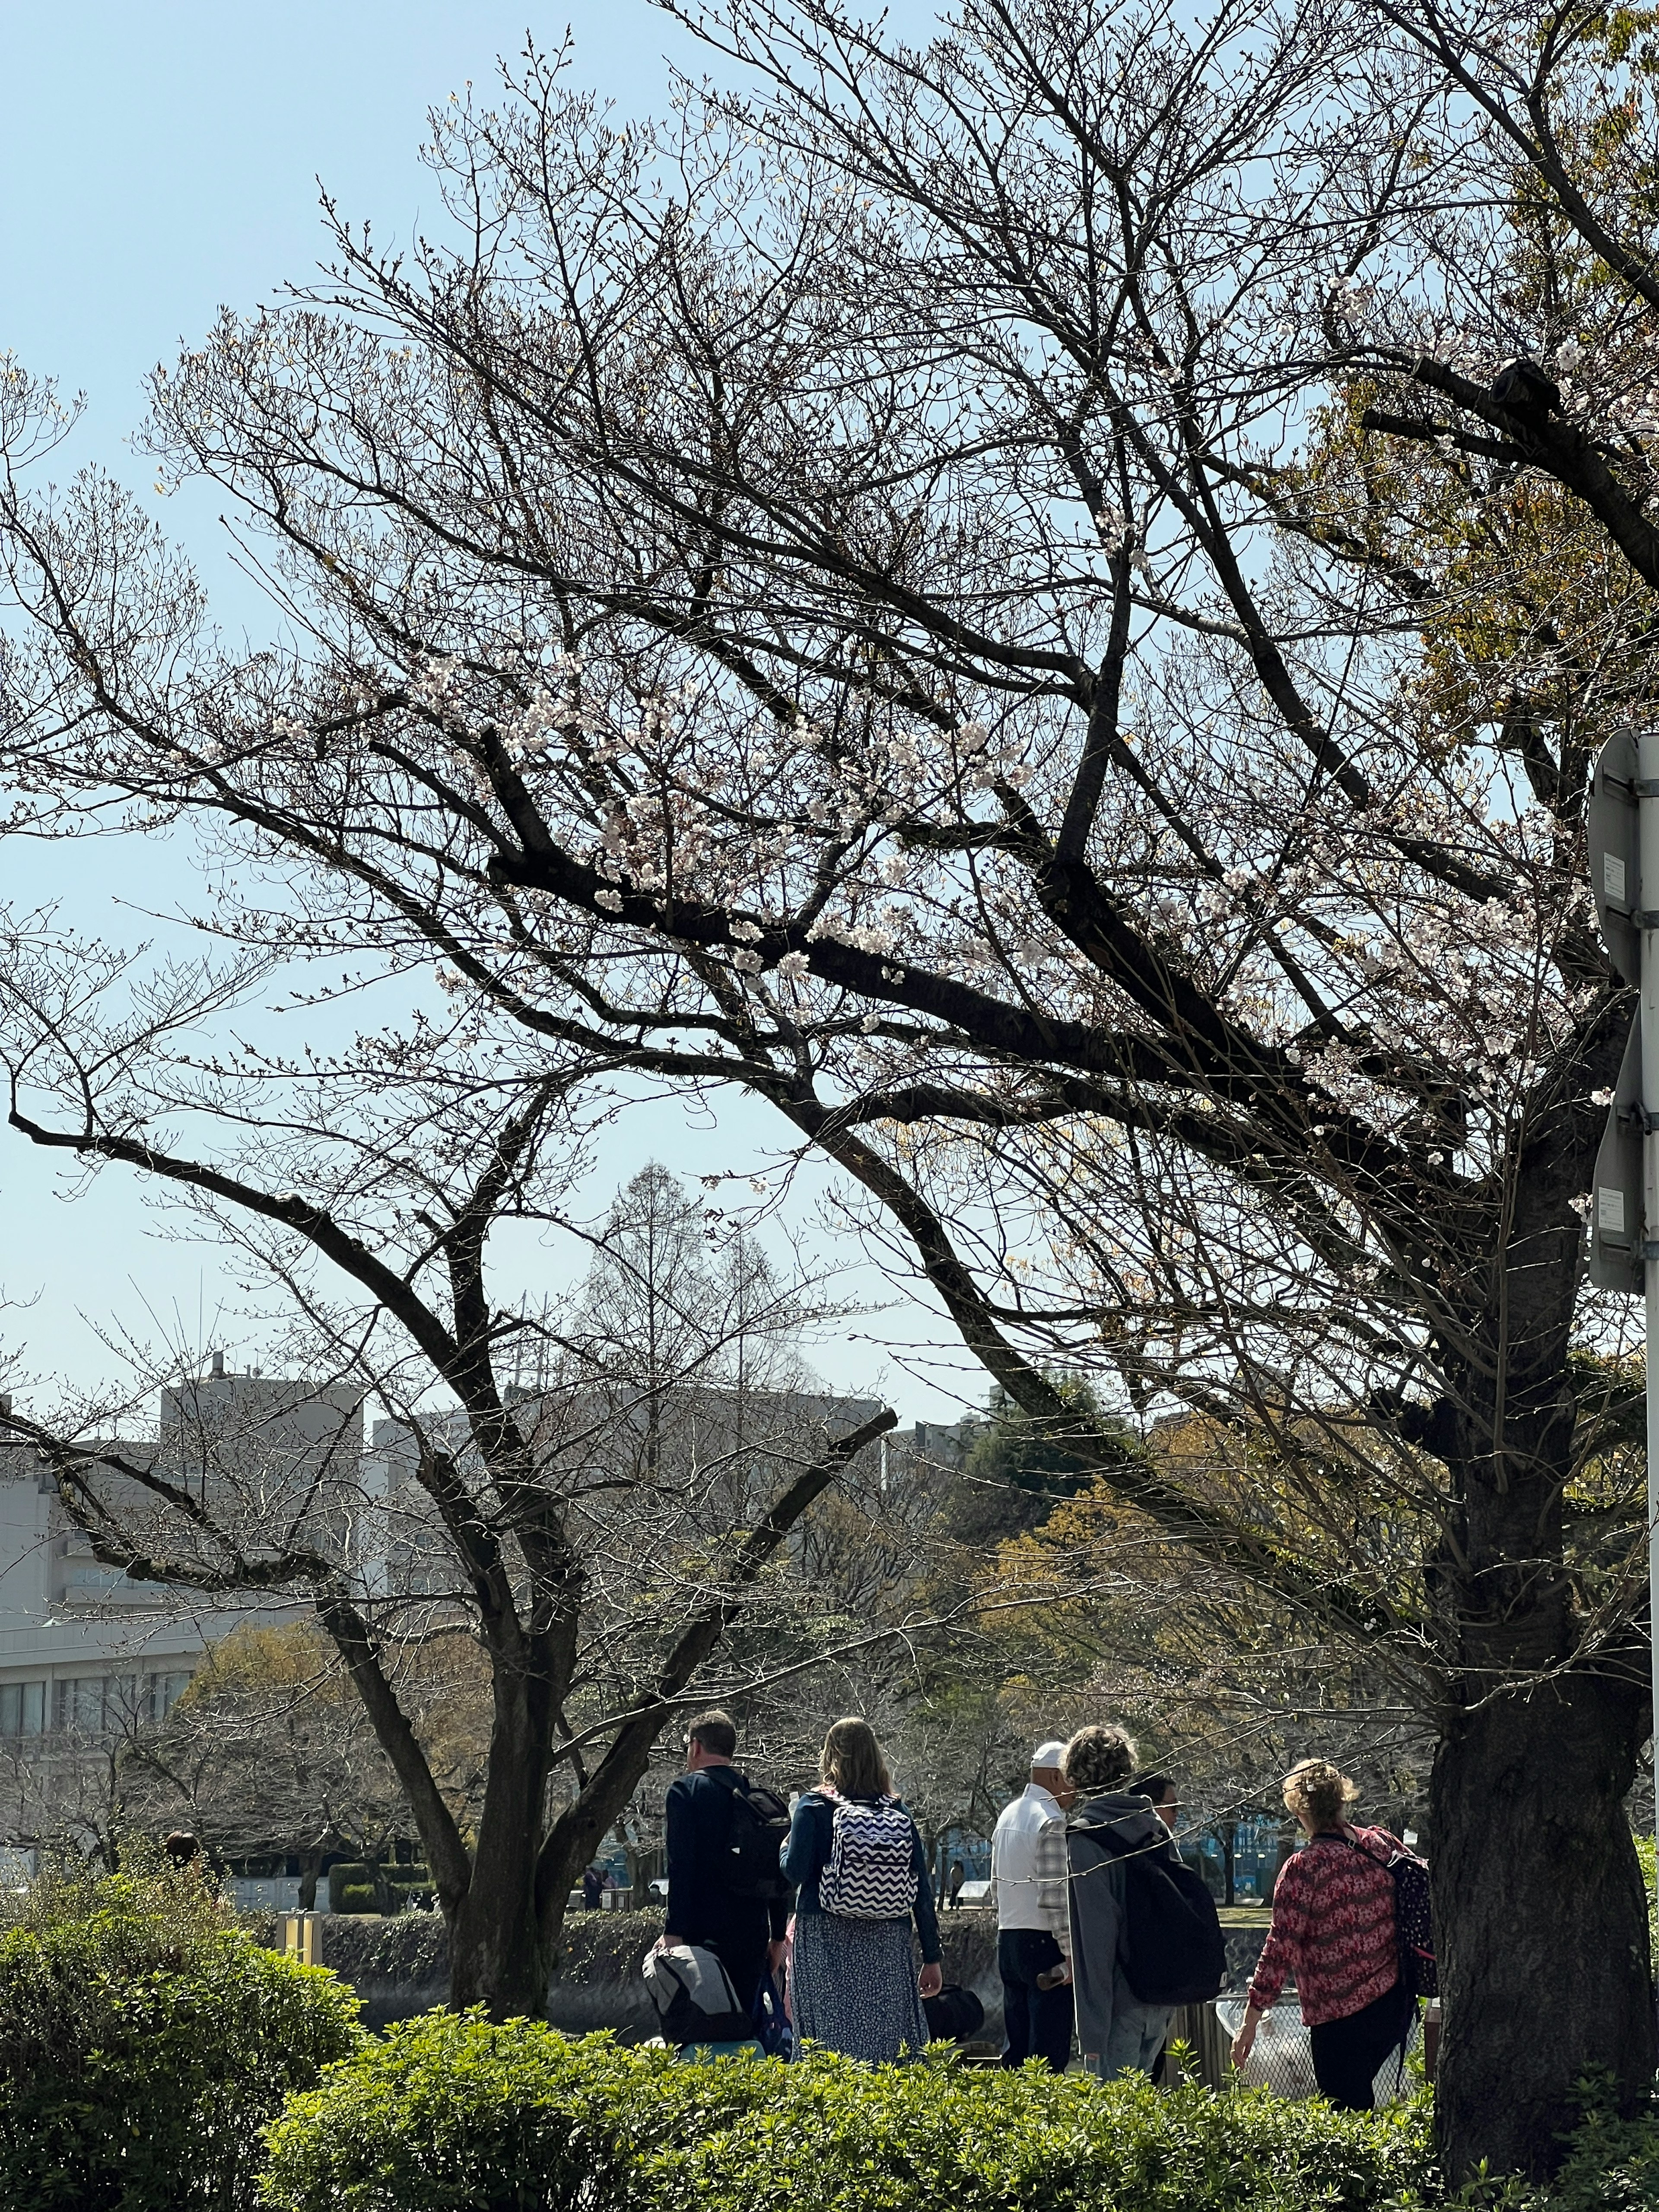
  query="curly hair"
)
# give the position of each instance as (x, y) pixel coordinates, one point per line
(1318, 1793)
(1099, 1758)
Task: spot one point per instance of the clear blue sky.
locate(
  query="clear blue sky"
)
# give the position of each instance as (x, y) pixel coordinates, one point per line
(159, 159)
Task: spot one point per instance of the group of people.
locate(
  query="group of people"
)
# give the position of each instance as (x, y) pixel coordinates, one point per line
(852, 1882)
(854, 1897)
(1059, 1881)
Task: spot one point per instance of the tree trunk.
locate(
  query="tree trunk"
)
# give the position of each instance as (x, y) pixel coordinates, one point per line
(1540, 1922)
(498, 1956)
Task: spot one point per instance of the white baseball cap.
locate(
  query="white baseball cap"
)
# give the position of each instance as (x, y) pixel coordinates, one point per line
(1049, 1754)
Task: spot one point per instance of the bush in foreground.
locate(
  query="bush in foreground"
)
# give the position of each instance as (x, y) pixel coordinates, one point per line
(145, 2044)
(453, 2112)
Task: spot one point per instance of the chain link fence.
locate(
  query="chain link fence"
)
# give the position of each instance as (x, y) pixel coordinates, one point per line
(1282, 2058)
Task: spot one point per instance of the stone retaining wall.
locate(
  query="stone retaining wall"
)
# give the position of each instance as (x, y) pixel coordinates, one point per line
(400, 1967)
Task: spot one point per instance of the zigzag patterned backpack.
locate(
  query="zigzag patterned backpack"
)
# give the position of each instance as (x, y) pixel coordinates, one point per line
(870, 1873)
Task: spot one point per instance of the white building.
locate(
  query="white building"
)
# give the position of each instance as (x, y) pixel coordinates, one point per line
(85, 1648)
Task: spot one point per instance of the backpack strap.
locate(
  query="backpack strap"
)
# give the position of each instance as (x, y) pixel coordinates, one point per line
(1354, 1845)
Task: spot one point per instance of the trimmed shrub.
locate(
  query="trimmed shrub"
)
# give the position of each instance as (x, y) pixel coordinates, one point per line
(413, 1947)
(145, 2043)
(1613, 2166)
(455, 2112)
(352, 1888)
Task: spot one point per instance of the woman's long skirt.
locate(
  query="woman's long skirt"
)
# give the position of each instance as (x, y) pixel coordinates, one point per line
(853, 1987)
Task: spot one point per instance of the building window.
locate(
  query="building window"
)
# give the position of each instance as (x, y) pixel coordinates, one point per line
(122, 1706)
(165, 1693)
(80, 1704)
(22, 1708)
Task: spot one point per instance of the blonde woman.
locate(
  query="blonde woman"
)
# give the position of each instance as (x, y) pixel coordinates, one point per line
(1334, 1929)
(861, 1879)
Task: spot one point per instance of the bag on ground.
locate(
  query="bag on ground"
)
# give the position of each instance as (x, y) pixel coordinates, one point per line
(693, 1996)
(870, 1872)
(1170, 1943)
(759, 1829)
(954, 2014)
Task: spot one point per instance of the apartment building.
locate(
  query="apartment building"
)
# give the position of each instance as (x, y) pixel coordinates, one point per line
(86, 1650)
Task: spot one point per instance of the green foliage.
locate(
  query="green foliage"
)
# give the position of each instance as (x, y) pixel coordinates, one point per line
(1612, 2163)
(1018, 1468)
(353, 1887)
(1613, 2166)
(1646, 1852)
(411, 1948)
(145, 2042)
(453, 2112)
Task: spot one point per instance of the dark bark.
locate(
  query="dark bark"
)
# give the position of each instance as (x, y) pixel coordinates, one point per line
(1540, 1917)
(1541, 1921)
(498, 1955)
(1227, 1836)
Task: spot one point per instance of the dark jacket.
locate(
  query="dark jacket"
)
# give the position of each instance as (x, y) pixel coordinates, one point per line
(806, 1854)
(699, 1822)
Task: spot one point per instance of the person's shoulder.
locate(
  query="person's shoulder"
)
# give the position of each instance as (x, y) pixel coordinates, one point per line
(691, 1789)
(1379, 1841)
(1362, 1833)
(1297, 1871)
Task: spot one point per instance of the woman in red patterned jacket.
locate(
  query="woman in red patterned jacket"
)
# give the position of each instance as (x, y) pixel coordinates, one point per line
(1334, 1929)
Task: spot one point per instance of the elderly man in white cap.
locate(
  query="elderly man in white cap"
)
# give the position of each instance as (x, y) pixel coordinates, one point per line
(1029, 1871)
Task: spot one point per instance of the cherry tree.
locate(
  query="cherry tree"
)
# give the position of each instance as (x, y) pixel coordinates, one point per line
(897, 593)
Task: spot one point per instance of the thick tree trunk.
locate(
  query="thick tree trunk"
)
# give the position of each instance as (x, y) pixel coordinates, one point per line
(1540, 1922)
(498, 1955)
(1540, 1917)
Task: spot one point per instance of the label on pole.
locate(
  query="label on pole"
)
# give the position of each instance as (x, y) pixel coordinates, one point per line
(1615, 870)
(1615, 1216)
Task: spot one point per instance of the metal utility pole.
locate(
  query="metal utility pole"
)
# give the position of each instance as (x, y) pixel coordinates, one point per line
(1622, 825)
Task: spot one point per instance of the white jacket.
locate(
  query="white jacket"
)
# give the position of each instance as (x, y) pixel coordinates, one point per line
(1029, 1868)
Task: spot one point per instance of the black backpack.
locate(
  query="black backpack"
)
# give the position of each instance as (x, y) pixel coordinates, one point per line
(1170, 1942)
(1413, 1927)
(757, 1829)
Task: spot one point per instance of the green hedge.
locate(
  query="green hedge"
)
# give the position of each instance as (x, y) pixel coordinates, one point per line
(351, 1886)
(145, 2044)
(453, 2112)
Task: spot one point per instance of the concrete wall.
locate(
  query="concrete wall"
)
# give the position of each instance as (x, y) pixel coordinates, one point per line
(399, 1967)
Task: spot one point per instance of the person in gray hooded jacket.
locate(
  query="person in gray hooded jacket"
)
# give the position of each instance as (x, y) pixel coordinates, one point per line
(1115, 2033)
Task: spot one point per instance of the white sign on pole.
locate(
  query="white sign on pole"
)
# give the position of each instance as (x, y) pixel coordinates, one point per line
(1621, 825)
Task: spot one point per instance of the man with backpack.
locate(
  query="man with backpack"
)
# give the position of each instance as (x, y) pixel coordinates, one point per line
(725, 1894)
(1146, 1936)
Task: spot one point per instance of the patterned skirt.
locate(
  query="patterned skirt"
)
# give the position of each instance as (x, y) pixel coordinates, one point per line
(853, 1987)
